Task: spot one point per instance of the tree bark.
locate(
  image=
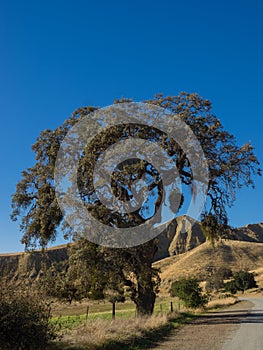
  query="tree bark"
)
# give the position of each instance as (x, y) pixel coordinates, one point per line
(144, 301)
(145, 295)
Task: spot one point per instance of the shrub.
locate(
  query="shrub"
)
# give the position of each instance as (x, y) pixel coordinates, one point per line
(189, 291)
(231, 287)
(24, 321)
(216, 279)
(242, 280)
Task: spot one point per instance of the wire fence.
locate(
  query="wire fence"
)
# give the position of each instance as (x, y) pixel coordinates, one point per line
(92, 314)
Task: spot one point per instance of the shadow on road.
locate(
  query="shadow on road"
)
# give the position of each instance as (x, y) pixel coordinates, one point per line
(228, 318)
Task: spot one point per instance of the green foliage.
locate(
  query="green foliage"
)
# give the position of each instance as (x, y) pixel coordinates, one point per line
(216, 279)
(230, 167)
(86, 274)
(231, 287)
(57, 282)
(242, 280)
(189, 291)
(24, 321)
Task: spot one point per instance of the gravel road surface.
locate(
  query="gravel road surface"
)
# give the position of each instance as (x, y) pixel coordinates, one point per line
(238, 327)
(249, 335)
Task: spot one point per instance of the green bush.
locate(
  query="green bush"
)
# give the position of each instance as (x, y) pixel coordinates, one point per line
(216, 279)
(24, 321)
(242, 280)
(231, 287)
(189, 291)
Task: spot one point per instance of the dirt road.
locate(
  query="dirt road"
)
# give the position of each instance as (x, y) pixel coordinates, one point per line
(238, 327)
(250, 333)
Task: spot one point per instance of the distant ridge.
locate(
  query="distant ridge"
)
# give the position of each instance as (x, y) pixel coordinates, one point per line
(176, 247)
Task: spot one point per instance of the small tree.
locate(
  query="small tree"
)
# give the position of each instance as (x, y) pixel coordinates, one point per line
(216, 279)
(242, 280)
(245, 280)
(231, 287)
(86, 275)
(58, 283)
(189, 291)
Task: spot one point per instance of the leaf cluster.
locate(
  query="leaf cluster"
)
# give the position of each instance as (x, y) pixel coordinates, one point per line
(189, 291)
(241, 281)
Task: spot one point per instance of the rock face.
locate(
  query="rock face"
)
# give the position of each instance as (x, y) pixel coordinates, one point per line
(184, 234)
(165, 240)
(21, 266)
(188, 235)
(181, 235)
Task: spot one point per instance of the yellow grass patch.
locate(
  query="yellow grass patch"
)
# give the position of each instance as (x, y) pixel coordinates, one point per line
(99, 331)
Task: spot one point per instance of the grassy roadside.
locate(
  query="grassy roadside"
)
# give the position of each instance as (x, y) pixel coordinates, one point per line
(70, 316)
(96, 307)
(140, 333)
(130, 333)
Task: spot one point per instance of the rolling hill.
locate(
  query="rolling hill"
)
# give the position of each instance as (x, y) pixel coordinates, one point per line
(180, 253)
(198, 262)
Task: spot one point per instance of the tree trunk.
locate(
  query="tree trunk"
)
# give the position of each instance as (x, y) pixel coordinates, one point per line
(146, 285)
(146, 295)
(144, 301)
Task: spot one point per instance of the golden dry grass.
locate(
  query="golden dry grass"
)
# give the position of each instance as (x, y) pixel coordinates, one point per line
(236, 255)
(97, 332)
(219, 303)
(100, 331)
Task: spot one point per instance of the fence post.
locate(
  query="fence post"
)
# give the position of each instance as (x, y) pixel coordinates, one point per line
(113, 311)
(172, 308)
(87, 313)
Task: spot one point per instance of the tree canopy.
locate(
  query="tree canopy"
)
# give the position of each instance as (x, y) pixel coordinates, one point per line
(230, 167)
(241, 281)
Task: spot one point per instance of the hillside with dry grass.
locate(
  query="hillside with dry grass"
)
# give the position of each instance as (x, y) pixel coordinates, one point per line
(236, 255)
(179, 254)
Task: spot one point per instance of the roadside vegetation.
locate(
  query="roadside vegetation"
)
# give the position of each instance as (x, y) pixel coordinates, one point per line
(129, 332)
(25, 320)
(190, 292)
(38, 322)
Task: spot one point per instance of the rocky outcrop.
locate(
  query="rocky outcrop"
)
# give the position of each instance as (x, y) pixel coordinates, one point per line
(181, 235)
(29, 266)
(184, 234)
(165, 239)
(188, 235)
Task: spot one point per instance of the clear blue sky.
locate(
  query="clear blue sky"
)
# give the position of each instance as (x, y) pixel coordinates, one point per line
(59, 55)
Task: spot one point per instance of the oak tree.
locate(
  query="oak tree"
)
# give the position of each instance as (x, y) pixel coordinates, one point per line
(230, 167)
